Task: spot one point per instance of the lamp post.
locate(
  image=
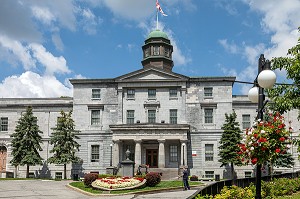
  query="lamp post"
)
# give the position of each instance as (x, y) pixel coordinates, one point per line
(183, 145)
(266, 79)
(110, 163)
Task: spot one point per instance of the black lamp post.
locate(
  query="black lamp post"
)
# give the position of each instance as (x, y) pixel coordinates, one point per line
(265, 79)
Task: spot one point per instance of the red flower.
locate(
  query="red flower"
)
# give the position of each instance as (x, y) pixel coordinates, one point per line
(277, 150)
(254, 160)
(263, 148)
(278, 131)
(255, 135)
(281, 139)
(262, 140)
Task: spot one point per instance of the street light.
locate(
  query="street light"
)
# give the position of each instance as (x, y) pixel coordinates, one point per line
(266, 79)
(110, 164)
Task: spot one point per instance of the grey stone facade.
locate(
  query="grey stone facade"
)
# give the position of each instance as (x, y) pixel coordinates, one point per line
(167, 120)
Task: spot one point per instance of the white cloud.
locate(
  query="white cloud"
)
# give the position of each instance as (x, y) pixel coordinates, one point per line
(31, 84)
(52, 64)
(57, 42)
(90, 22)
(232, 48)
(43, 14)
(21, 53)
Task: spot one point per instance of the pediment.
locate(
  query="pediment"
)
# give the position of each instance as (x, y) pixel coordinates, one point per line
(151, 74)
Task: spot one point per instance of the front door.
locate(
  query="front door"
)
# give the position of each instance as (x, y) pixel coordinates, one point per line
(3, 153)
(152, 158)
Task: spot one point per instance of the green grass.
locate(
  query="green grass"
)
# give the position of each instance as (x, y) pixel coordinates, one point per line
(17, 179)
(162, 185)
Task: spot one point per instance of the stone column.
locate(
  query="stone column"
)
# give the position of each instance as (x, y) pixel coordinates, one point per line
(116, 152)
(183, 153)
(138, 153)
(161, 154)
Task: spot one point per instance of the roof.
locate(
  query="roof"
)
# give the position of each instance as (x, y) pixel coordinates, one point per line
(157, 34)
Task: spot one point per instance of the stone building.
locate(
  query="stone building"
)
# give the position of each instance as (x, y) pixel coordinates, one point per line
(165, 119)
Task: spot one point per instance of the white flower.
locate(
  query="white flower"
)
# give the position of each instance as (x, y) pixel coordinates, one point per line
(262, 131)
(252, 148)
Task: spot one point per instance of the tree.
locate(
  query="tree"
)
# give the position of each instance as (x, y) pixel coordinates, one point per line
(286, 97)
(64, 142)
(26, 142)
(229, 144)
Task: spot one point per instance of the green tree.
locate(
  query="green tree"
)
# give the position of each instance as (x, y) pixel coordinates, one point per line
(26, 142)
(229, 143)
(286, 97)
(64, 142)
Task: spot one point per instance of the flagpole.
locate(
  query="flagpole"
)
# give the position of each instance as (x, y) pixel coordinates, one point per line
(157, 20)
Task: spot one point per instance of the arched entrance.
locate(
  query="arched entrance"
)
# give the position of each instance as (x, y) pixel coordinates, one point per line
(3, 154)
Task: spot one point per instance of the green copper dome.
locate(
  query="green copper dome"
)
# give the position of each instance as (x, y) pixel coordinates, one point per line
(157, 33)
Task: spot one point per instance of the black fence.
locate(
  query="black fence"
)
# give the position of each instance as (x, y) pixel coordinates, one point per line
(216, 187)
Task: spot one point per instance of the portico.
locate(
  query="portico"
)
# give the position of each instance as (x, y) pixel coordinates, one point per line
(157, 145)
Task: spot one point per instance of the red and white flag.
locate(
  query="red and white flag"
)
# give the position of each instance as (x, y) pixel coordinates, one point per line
(159, 9)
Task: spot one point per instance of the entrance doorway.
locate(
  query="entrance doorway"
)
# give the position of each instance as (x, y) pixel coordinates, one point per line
(3, 152)
(152, 158)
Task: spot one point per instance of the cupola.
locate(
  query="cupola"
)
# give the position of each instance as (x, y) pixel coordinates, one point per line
(157, 51)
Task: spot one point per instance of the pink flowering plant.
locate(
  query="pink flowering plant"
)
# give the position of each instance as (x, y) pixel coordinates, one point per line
(265, 141)
(118, 182)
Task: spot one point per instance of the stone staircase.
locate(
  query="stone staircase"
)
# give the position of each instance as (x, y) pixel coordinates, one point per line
(167, 173)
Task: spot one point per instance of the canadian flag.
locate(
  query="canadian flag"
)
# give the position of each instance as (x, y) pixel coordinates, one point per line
(159, 9)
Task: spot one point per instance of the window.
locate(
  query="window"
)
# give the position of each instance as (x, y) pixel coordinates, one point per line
(246, 121)
(173, 92)
(58, 175)
(4, 124)
(173, 153)
(167, 52)
(147, 52)
(95, 153)
(96, 93)
(173, 116)
(156, 50)
(208, 115)
(95, 117)
(130, 116)
(209, 174)
(209, 152)
(151, 93)
(131, 93)
(151, 116)
(208, 92)
(248, 174)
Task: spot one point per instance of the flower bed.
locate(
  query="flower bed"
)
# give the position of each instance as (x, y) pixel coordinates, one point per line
(118, 183)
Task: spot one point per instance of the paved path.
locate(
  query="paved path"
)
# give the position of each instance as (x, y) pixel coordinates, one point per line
(44, 189)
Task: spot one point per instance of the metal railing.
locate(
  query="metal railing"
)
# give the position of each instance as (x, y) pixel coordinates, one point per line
(216, 187)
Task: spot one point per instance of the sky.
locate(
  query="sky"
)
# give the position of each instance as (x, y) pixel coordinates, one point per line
(44, 43)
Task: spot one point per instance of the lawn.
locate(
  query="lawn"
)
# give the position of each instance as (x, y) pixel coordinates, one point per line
(294, 196)
(161, 186)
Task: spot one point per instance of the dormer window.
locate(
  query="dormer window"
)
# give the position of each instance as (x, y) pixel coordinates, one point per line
(155, 50)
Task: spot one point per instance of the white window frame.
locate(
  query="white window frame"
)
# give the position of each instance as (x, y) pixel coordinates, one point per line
(209, 155)
(151, 118)
(93, 118)
(246, 123)
(248, 174)
(156, 50)
(130, 117)
(173, 154)
(208, 119)
(95, 153)
(208, 92)
(173, 116)
(130, 93)
(96, 95)
(151, 93)
(4, 124)
(209, 174)
(173, 93)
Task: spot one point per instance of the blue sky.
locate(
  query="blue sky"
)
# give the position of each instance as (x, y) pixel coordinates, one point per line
(45, 43)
